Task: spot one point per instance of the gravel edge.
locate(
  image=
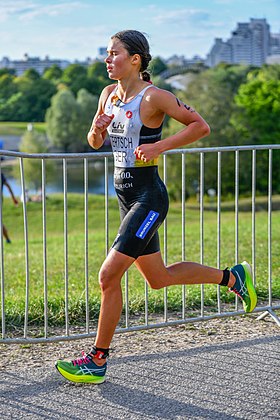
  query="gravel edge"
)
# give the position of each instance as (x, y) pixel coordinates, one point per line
(160, 340)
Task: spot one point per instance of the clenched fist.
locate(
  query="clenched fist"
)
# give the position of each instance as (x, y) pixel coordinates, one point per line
(101, 123)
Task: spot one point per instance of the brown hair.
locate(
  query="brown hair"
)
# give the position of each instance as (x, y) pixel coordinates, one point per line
(136, 43)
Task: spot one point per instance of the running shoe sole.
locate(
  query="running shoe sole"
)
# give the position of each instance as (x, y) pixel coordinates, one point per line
(81, 378)
(250, 287)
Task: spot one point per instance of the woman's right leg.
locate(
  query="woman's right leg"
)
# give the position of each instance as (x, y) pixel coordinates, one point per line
(110, 276)
(91, 368)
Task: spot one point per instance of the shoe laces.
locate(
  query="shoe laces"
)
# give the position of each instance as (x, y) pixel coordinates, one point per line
(237, 292)
(85, 359)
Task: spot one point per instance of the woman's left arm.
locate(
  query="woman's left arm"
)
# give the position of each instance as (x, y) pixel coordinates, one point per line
(164, 102)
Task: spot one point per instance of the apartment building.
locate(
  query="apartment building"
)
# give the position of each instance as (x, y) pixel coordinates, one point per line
(250, 43)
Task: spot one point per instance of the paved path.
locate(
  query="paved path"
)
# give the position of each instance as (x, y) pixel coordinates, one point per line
(235, 380)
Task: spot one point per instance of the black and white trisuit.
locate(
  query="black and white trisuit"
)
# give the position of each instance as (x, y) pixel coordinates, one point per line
(142, 196)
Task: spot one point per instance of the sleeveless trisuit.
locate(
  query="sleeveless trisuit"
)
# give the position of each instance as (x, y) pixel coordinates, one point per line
(142, 196)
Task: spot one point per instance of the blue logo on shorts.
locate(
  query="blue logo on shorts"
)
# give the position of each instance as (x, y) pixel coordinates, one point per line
(147, 224)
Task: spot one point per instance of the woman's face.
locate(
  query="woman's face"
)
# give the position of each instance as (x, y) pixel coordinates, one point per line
(118, 61)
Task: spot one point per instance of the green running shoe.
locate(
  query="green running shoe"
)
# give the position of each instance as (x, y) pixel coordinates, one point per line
(243, 286)
(82, 370)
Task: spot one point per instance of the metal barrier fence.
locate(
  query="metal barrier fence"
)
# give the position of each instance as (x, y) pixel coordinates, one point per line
(267, 306)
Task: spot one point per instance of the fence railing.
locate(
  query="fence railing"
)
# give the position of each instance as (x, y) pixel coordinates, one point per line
(266, 306)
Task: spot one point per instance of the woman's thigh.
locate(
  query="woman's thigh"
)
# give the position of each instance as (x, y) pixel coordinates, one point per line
(153, 269)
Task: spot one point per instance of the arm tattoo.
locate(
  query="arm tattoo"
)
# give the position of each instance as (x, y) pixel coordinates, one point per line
(184, 105)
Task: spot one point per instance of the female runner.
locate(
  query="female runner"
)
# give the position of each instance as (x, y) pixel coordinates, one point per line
(132, 113)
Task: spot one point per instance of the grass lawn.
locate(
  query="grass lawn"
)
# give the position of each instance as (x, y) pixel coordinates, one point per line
(12, 128)
(15, 267)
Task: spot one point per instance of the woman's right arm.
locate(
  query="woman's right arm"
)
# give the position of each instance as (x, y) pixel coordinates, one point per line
(101, 121)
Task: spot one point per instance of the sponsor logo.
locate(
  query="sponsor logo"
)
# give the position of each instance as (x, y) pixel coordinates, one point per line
(125, 185)
(123, 175)
(147, 224)
(128, 114)
(117, 127)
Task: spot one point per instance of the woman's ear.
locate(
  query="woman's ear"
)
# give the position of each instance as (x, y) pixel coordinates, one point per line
(136, 59)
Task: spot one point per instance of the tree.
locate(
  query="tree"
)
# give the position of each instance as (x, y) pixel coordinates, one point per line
(87, 104)
(34, 99)
(32, 142)
(97, 78)
(13, 109)
(257, 118)
(31, 74)
(75, 77)
(63, 121)
(212, 93)
(5, 70)
(68, 120)
(53, 74)
(7, 86)
(7, 91)
(258, 101)
(97, 69)
(157, 66)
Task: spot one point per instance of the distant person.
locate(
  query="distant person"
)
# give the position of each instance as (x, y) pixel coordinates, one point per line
(132, 111)
(6, 183)
(38, 197)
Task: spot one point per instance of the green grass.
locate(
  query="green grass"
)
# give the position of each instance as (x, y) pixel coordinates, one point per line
(15, 267)
(13, 128)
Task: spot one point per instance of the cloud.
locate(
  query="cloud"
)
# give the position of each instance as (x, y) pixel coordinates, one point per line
(26, 10)
(62, 43)
(182, 16)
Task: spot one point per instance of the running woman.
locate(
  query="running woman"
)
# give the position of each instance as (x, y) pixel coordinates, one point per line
(132, 113)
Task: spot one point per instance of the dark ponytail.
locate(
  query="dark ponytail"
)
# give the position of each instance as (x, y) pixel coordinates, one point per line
(136, 43)
(145, 75)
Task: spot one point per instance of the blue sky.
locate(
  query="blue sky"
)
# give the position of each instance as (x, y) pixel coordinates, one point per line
(74, 29)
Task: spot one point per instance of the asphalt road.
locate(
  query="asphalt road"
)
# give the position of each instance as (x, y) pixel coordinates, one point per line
(236, 380)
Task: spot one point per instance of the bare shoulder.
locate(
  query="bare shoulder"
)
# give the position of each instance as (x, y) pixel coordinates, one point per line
(110, 88)
(157, 95)
(104, 95)
(107, 90)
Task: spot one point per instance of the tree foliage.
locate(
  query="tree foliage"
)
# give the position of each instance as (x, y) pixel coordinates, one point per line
(24, 98)
(157, 66)
(258, 101)
(241, 105)
(33, 142)
(87, 104)
(53, 73)
(257, 118)
(68, 120)
(27, 97)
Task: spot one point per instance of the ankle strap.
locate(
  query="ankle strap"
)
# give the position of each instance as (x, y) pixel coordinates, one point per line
(99, 353)
(225, 279)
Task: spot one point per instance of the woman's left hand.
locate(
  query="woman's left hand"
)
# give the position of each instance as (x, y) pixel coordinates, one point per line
(147, 152)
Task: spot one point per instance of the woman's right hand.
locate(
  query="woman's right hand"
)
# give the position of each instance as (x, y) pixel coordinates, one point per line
(101, 123)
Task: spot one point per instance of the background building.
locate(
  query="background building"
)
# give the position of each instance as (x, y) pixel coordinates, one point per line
(251, 43)
(38, 64)
(20, 66)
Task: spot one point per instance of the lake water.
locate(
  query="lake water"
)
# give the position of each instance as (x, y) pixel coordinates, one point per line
(75, 179)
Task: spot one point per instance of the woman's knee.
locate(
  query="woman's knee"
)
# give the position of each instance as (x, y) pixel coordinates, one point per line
(108, 279)
(104, 279)
(155, 283)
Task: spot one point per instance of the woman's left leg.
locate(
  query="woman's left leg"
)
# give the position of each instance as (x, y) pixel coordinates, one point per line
(238, 278)
(158, 275)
